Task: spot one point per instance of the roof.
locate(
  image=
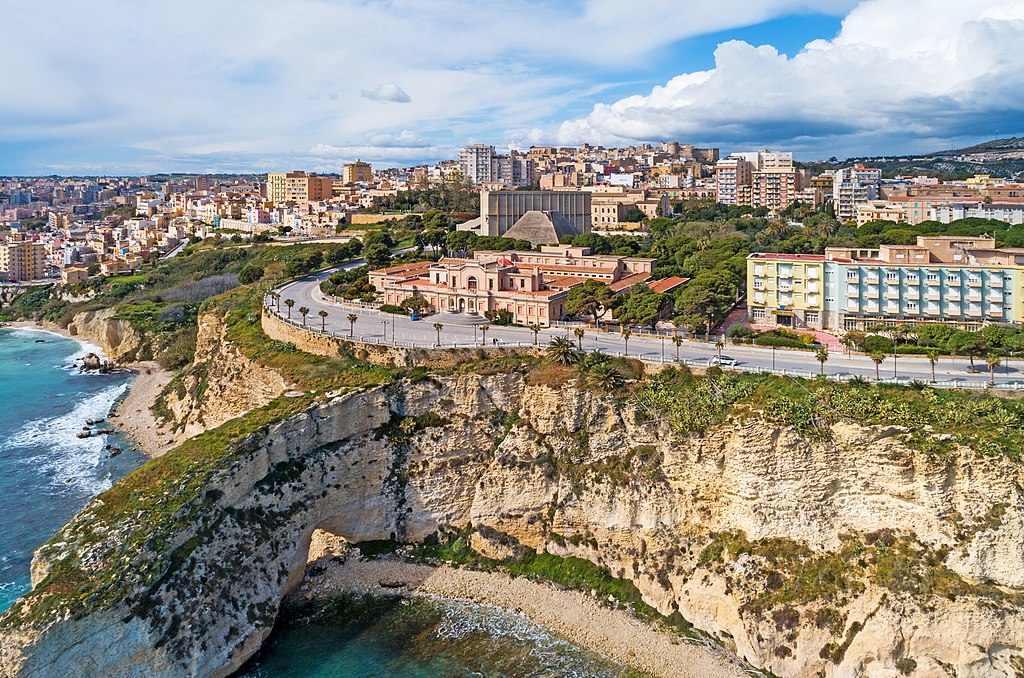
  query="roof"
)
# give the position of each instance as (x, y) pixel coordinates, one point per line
(666, 284)
(408, 269)
(629, 281)
(796, 257)
(541, 228)
(568, 269)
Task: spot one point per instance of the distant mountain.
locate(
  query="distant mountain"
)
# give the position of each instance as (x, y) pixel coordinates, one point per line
(1013, 147)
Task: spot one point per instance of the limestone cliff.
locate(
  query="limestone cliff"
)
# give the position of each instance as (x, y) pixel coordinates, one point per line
(220, 385)
(118, 339)
(854, 556)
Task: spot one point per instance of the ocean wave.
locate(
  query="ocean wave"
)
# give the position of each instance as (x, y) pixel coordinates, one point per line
(84, 347)
(53, 444)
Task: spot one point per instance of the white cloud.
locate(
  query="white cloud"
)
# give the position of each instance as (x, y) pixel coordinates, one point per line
(900, 73)
(387, 92)
(202, 77)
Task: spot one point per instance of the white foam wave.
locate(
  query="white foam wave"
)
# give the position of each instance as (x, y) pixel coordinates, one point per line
(68, 456)
(84, 347)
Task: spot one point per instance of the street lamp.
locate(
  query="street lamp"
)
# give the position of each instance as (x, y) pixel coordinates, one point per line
(474, 334)
(662, 348)
(384, 334)
(773, 358)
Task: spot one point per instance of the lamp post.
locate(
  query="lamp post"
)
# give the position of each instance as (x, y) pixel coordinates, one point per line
(474, 334)
(384, 334)
(773, 358)
(662, 348)
(894, 377)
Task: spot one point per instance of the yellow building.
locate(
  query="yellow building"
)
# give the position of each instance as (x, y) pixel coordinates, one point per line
(22, 261)
(356, 172)
(298, 187)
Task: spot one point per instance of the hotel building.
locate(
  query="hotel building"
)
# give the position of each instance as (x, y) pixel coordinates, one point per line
(532, 286)
(22, 260)
(964, 281)
(298, 187)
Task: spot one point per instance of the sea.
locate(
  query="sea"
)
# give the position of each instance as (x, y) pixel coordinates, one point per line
(47, 473)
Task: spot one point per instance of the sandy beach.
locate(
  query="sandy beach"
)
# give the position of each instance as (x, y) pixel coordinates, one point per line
(132, 414)
(583, 620)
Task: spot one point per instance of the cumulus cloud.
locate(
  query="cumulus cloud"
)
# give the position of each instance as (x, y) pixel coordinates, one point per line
(899, 73)
(387, 92)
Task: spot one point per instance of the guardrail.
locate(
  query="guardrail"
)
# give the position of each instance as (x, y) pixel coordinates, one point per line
(376, 340)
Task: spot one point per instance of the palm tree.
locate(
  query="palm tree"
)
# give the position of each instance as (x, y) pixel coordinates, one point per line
(438, 327)
(821, 355)
(323, 320)
(483, 330)
(678, 341)
(626, 332)
(579, 332)
(276, 298)
(289, 303)
(933, 358)
(352, 318)
(877, 357)
(562, 351)
(993, 361)
(304, 311)
(535, 328)
(604, 376)
(719, 345)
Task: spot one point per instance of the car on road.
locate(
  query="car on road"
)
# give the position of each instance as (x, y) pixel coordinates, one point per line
(726, 360)
(414, 316)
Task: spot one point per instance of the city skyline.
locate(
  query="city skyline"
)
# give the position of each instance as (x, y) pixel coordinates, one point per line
(280, 87)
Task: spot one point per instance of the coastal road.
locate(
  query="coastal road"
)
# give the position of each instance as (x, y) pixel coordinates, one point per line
(462, 329)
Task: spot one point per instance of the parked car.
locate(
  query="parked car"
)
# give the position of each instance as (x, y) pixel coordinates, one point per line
(723, 360)
(414, 316)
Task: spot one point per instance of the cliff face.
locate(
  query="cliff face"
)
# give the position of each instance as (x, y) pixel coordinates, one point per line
(854, 556)
(221, 385)
(118, 339)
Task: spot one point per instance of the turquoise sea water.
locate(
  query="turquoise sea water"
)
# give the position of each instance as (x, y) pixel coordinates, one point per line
(356, 636)
(47, 474)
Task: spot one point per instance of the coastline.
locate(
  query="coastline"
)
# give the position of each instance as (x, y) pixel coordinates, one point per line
(581, 619)
(132, 414)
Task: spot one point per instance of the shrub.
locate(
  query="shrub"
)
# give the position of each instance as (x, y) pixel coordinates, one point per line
(391, 308)
(250, 274)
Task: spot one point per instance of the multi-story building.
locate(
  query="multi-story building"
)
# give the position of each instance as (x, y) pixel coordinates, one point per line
(853, 186)
(532, 286)
(22, 260)
(730, 174)
(762, 179)
(356, 172)
(499, 210)
(964, 281)
(476, 163)
(298, 186)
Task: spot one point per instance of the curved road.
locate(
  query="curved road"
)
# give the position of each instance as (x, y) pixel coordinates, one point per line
(374, 326)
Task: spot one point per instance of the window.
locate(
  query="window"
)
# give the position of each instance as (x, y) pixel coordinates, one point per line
(758, 314)
(812, 318)
(892, 276)
(758, 283)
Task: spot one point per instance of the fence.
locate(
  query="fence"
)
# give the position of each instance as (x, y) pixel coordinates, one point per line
(644, 357)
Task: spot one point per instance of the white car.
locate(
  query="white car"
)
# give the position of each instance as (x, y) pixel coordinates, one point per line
(723, 360)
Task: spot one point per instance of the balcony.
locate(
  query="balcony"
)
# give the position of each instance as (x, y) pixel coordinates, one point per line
(974, 311)
(871, 293)
(933, 294)
(912, 295)
(974, 282)
(953, 295)
(853, 306)
(892, 294)
(852, 292)
(994, 312)
(913, 280)
(872, 279)
(852, 277)
(933, 309)
(996, 281)
(871, 308)
(892, 309)
(995, 297)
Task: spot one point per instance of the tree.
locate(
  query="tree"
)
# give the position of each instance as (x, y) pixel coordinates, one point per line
(626, 333)
(877, 358)
(562, 351)
(250, 274)
(933, 358)
(592, 297)
(709, 295)
(415, 304)
(378, 255)
(992, 359)
(821, 355)
(276, 298)
(678, 341)
(854, 339)
(483, 331)
(641, 306)
(604, 376)
(289, 303)
(597, 244)
(323, 320)
(352, 318)
(535, 328)
(304, 311)
(967, 343)
(579, 332)
(633, 215)
(438, 327)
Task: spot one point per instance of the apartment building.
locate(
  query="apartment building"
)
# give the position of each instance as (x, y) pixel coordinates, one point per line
(759, 179)
(356, 172)
(853, 186)
(532, 286)
(297, 187)
(963, 281)
(480, 165)
(609, 204)
(22, 260)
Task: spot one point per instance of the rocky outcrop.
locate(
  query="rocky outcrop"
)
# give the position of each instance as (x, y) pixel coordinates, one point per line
(221, 384)
(118, 339)
(853, 556)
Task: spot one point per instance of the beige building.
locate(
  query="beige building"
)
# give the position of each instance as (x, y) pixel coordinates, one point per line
(22, 261)
(72, 275)
(298, 187)
(356, 172)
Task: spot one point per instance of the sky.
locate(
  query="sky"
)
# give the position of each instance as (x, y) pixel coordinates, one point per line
(128, 87)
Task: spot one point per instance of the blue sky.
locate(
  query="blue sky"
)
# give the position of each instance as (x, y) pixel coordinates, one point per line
(210, 85)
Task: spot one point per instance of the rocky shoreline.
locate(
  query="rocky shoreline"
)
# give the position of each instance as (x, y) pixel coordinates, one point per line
(580, 618)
